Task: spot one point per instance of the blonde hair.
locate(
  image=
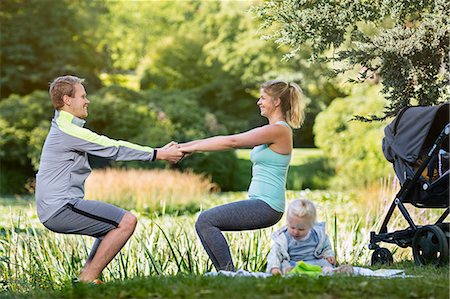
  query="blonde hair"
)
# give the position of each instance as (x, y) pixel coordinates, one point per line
(302, 208)
(62, 86)
(292, 104)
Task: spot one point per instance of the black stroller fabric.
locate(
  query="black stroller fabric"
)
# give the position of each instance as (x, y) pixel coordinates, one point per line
(408, 139)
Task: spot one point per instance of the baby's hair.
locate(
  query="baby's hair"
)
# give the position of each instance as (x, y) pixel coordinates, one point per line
(302, 208)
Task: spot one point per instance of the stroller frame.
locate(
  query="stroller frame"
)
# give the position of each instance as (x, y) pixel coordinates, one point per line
(404, 238)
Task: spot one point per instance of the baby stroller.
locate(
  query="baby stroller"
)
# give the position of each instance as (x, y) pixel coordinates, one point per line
(417, 142)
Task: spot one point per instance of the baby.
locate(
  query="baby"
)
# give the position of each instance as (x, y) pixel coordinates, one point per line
(300, 240)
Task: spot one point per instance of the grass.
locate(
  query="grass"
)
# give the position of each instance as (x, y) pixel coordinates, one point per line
(165, 251)
(156, 190)
(191, 286)
(165, 259)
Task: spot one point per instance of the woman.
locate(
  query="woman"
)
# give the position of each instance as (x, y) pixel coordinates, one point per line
(280, 102)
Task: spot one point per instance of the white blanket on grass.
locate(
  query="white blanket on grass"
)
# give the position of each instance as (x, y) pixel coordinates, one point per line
(388, 273)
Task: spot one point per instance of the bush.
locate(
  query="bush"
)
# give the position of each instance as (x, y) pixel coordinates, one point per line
(314, 173)
(116, 112)
(191, 120)
(24, 123)
(222, 167)
(353, 147)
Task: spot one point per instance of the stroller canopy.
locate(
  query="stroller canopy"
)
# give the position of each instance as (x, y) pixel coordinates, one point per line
(413, 130)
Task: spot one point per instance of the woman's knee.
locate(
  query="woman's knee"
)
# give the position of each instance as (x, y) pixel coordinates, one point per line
(203, 221)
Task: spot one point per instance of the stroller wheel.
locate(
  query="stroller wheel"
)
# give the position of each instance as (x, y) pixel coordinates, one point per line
(430, 246)
(381, 256)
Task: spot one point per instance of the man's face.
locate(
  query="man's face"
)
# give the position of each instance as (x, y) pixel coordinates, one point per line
(78, 104)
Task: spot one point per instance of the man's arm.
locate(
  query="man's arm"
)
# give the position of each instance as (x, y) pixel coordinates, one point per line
(84, 140)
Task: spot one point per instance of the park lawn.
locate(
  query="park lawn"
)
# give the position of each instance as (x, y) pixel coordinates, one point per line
(36, 263)
(430, 283)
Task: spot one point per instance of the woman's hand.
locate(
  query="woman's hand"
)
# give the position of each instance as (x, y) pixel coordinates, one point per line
(187, 148)
(168, 145)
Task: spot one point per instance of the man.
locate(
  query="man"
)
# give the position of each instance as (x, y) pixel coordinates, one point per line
(64, 167)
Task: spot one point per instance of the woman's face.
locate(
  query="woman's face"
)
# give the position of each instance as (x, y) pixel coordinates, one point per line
(265, 103)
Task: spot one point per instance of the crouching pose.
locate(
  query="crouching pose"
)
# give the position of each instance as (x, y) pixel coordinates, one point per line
(64, 167)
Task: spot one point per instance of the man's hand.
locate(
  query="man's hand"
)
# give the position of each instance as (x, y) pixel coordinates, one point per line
(331, 260)
(170, 153)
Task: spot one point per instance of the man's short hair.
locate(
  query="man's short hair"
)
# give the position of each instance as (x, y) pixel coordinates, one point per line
(61, 86)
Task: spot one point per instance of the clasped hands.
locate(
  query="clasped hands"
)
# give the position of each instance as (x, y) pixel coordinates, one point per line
(172, 152)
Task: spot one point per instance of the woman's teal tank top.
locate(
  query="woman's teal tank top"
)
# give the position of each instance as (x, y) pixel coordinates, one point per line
(269, 174)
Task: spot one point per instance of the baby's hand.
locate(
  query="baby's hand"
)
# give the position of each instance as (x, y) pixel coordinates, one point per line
(276, 271)
(331, 260)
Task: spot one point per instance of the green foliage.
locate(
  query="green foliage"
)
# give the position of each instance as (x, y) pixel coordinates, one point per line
(116, 112)
(218, 55)
(24, 123)
(314, 173)
(120, 113)
(189, 118)
(233, 41)
(353, 148)
(200, 63)
(408, 51)
(41, 40)
(222, 167)
(180, 63)
(134, 28)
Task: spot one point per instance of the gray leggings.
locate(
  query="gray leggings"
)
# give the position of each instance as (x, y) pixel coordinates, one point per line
(236, 216)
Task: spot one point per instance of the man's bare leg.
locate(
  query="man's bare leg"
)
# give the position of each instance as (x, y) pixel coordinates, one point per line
(109, 246)
(92, 253)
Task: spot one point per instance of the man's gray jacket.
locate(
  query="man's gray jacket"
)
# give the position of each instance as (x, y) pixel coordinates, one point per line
(64, 164)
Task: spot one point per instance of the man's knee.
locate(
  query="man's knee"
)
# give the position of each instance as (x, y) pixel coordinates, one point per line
(128, 222)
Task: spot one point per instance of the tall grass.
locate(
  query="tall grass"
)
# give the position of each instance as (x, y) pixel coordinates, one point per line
(148, 190)
(166, 244)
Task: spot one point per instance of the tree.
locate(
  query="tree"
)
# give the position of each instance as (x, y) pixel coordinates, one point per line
(405, 42)
(43, 39)
(24, 124)
(218, 55)
(353, 148)
(134, 28)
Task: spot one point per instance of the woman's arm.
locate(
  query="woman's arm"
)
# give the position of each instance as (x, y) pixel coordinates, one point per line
(263, 135)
